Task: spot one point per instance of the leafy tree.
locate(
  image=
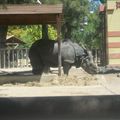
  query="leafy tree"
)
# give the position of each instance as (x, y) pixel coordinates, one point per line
(88, 31)
(102, 1)
(74, 11)
(31, 33)
(26, 33)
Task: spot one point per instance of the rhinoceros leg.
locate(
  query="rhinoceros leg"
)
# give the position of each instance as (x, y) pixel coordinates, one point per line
(66, 67)
(46, 69)
(37, 66)
(37, 70)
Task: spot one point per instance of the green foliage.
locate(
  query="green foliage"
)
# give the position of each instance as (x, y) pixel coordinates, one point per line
(88, 32)
(50, 1)
(26, 33)
(74, 11)
(89, 35)
(31, 33)
(52, 33)
(102, 1)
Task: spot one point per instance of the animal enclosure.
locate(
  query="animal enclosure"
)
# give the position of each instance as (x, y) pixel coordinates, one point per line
(18, 58)
(14, 58)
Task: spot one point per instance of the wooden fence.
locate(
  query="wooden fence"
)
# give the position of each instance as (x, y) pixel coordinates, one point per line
(14, 58)
(18, 58)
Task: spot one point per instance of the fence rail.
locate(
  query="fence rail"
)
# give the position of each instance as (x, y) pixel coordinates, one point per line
(18, 58)
(14, 58)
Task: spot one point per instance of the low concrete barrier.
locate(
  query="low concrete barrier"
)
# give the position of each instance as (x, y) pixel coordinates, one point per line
(23, 77)
(60, 108)
(13, 78)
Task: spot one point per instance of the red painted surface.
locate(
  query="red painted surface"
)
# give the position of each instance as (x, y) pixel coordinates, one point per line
(114, 56)
(114, 45)
(117, 4)
(113, 33)
(102, 8)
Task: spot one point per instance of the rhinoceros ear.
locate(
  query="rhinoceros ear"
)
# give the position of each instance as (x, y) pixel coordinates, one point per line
(87, 51)
(89, 54)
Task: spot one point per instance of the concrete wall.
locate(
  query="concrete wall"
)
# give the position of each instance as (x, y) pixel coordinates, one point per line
(113, 21)
(60, 108)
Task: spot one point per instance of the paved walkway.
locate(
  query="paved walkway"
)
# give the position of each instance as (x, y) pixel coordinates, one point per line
(110, 82)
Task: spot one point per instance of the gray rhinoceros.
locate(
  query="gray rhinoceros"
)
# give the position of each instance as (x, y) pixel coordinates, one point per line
(43, 54)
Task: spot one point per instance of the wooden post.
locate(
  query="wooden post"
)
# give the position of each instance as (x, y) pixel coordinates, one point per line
(59, 44)
(45, 31)
(106, 36)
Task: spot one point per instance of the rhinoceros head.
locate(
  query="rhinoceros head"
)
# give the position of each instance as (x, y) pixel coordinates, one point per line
(88, 64)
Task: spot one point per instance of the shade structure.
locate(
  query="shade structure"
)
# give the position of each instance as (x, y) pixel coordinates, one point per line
(31, 14)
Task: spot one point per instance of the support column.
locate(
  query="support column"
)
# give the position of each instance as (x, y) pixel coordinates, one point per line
(59, 44)
(45, 31)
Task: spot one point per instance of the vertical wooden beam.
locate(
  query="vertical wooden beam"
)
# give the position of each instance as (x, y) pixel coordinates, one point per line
(59, 43)
(105, 38)
(106, 35)
(45, 32)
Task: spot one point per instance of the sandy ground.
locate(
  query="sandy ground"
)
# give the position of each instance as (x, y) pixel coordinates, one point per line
(77, 83)
(76, 77)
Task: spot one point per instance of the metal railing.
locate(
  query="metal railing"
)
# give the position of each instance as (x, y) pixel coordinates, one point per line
(14, 58)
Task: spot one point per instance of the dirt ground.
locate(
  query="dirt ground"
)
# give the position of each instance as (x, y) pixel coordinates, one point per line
(77, 83)
(76, 77)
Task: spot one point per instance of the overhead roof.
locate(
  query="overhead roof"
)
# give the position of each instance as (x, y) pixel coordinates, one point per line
(12, 39)
(29, 14)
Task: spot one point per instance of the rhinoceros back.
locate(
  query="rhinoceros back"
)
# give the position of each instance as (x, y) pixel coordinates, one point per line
(79, 51)
(76, 52)
(43, 49)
